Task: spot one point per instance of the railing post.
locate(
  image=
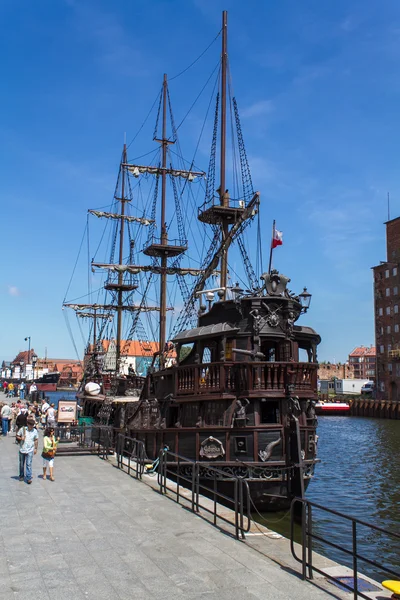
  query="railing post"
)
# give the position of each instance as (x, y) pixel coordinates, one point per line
(236, 510)
(309, 541)
(354, 531)
(303, 541)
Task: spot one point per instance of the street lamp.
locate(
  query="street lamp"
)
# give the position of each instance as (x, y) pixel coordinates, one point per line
(34, 361)
(305, 300)
(21, 367)
(28, 339)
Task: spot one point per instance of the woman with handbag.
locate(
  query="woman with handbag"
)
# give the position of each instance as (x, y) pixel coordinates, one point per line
(49, 451)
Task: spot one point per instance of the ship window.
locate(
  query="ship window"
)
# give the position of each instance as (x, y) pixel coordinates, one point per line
(269, 411)
(240, 445)
(228, 349)
(285, 353)
(209, 353)
(214, 413)
(185, 350)
(190, 414)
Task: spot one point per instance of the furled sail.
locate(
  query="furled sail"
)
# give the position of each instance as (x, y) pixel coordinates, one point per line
(130, 219)
(135, 269)
(136, 170)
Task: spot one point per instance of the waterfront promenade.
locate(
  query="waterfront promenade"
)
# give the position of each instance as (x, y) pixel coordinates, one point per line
(97, 533)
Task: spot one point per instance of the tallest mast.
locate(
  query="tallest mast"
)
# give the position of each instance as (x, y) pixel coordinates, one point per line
(164, 234)
(224, 198)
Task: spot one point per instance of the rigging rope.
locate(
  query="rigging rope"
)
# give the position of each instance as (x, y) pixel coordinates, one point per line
(198, 58)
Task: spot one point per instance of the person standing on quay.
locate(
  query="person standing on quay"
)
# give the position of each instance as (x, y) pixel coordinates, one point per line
(28, 438)
(6, 414)
(22, 390)
(49, 451)
(51, 416)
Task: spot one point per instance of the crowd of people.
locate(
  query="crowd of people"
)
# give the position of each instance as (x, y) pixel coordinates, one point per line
(24, 419)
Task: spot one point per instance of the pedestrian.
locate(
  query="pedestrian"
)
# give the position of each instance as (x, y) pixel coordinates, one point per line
(22, 390)
(13, 419)
(51, 416)
(21, 419)
(5, 387)
(28, 443)
(6, 413)
(10, 390)
(49, 452)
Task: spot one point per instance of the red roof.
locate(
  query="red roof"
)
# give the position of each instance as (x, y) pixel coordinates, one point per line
(364, 351)
(134, 347)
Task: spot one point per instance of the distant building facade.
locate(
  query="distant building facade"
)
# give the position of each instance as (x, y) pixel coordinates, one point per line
(363, 362)
(136, 355)
(387, 315)
(327, 371)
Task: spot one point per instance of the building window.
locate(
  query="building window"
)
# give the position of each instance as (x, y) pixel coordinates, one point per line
(389, 347)
(388, 310)
(387, 291)
(396, 328)
(396, 308)
(390, 367)
(397, 369)
(387, 273)
(388, 329)
(395, 290)
(380, 312)
(381, 348)
(381, 330)
(382, 385)
(394, 271)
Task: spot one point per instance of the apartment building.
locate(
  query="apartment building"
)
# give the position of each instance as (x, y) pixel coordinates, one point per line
(387, 316)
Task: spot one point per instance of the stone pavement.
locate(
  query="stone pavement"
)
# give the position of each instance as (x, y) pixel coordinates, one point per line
(96, 533)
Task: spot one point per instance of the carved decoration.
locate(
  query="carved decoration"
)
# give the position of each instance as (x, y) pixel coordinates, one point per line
(266, 454)
(211, 448)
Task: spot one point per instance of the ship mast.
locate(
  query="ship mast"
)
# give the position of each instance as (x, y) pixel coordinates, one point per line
(224, 198)
(120, 261)
(164, 234)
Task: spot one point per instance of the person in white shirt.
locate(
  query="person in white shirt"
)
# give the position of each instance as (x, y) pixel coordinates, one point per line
(6, 414)
(51, 416)
(28, 439)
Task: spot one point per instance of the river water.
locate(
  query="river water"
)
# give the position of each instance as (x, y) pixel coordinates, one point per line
(359, 475)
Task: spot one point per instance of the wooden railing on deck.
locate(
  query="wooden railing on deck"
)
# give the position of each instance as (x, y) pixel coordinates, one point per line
(246, 377)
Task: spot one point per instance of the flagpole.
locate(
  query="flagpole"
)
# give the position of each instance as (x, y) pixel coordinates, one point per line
(272, 247)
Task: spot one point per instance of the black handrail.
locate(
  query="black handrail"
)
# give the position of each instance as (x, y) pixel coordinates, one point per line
(307, 550)
(135, 452)
(241, 492)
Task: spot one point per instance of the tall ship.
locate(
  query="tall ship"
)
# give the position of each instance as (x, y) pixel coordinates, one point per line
(224, 383)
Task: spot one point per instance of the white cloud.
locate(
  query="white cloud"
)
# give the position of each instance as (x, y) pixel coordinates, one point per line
(262, 107)
(13, 290)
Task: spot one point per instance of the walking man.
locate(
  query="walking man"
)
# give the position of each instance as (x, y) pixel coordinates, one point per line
(28, 439)
(6, 414)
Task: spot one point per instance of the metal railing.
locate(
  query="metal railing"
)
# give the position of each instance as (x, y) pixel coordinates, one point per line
(130, 450)
(307, 537)
(191, 473)
(75, 439)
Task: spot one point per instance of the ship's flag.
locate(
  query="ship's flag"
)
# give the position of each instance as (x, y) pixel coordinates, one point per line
(277, 238)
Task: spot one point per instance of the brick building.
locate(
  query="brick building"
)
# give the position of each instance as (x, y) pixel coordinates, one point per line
(363, 361)
(327, 371)
(387, 316)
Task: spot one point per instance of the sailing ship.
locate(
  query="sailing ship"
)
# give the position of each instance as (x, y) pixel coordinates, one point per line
(227, 387)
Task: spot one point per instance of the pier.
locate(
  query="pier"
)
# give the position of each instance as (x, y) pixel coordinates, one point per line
(98, 533)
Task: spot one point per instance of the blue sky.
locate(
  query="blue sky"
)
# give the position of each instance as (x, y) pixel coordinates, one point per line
(318, 88)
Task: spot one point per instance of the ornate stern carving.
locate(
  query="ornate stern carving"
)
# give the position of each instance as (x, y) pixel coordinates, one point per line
(211, 448)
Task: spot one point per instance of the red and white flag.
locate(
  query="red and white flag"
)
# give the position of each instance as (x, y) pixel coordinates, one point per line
(277, 239)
